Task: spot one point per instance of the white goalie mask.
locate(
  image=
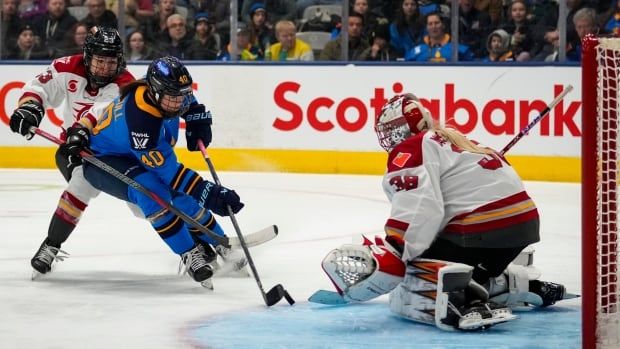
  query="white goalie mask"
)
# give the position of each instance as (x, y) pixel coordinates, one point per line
(400, 117)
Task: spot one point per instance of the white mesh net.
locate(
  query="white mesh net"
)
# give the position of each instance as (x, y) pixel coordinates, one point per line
(608, 110)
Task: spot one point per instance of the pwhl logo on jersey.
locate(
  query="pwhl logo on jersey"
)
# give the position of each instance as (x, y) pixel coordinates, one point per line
(140, 140)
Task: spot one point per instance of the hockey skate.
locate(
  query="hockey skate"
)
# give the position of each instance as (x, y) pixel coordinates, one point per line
(478, 316)
(548, 293)
(46, 254)
(234, 262)
(197, 267)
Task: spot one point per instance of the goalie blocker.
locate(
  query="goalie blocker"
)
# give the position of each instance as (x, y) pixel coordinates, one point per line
(434, 292)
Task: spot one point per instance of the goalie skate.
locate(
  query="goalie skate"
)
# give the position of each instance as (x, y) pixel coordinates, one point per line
(480, 316)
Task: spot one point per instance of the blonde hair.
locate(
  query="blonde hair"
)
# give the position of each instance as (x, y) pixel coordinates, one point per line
(457, 138)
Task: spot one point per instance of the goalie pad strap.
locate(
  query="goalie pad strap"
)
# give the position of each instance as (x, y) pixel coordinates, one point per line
(429, 289)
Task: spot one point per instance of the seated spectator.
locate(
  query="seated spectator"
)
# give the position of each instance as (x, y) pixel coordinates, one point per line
(520, 29)
(288, 47)
(333, 49)
(136, 48)
(26, 47)
(473, 26)
(612, 26)
(219, 13)
(498, 47)
(136, 12)
(52, 26)
(407, 28)
(177, 40)
(277, 9)
(380, 48)
(245, 50)
(74, 41)
(585, 23)
(206, 42)
(99, 16)
(372, 17)
(437, 46)
(301, 5)
(155, 27)
(262, 31)
(30, 9)
(494, 8)
(11, 24)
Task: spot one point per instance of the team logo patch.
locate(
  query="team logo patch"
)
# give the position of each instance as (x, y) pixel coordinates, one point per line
(72, 85)
(401, 159)
(139, 140)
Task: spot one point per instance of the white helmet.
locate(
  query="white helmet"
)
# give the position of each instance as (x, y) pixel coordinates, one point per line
(400, 117)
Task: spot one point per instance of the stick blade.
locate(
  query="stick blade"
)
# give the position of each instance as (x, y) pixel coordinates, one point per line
(327, 298)
(276, 294)
(256, 238)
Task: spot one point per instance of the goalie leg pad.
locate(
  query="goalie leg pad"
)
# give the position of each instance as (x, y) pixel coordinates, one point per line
(361, 273)
(439, 293)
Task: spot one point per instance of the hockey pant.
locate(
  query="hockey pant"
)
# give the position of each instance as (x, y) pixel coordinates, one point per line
(172, 229)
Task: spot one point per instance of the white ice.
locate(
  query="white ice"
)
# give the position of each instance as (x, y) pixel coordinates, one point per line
(119, 288)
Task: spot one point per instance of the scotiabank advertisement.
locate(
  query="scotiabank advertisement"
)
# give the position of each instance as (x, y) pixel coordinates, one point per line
(318, 107)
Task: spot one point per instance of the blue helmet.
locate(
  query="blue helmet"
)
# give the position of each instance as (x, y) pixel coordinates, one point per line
(168, 76)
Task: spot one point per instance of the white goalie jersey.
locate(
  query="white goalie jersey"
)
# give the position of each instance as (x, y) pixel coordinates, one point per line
(439, 190)
(63, 86)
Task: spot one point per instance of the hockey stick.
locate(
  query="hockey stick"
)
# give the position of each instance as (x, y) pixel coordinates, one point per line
(277, 292)
(537, 119)
(257, 238)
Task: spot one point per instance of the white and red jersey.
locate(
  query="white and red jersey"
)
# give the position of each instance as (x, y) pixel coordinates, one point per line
(64, 86)
(438, 190)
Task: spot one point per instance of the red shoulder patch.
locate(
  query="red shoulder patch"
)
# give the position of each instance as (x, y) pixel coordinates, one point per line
(401, 159)
(124, 78)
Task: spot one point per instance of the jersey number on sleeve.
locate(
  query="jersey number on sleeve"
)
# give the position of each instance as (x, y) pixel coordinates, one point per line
(404, 182)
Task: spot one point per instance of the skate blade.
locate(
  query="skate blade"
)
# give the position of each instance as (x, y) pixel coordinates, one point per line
(477, 325)
(232, 270)
(36, 275)
(208, 284)
(570, 296)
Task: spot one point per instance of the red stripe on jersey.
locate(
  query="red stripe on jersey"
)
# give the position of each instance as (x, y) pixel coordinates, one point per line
(487, 226)
(412, 146)
(74, 201)
(397, 225)
(71, 64)
(124, 78)
(31, 95)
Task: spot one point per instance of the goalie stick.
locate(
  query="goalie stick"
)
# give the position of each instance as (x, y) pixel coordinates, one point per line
(277, 292)
(254, 239)
(537, 119)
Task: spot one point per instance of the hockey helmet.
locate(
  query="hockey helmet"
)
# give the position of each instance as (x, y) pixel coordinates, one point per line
(167, 76)
(106, 42)
(400, 117)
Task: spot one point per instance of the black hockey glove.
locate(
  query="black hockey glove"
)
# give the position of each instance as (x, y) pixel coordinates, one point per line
(197, 126)
(29, 114)
(78, 139)
(216, 197)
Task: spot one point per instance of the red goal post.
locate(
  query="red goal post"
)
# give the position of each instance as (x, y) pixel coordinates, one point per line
(600, 77)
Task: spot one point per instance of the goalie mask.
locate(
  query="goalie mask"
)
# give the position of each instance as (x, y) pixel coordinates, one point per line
(170, 86)
(400, 117)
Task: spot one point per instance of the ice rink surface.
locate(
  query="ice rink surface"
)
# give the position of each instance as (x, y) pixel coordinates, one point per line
(120, 288)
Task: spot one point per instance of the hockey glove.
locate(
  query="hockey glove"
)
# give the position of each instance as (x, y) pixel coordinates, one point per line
(29, 114)
(197, 126)
(78, 139)
(216, 198)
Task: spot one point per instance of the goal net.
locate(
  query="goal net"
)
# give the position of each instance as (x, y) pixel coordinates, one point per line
(600, 147)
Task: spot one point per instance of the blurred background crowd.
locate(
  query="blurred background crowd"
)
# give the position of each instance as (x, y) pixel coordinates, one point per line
(312, 30)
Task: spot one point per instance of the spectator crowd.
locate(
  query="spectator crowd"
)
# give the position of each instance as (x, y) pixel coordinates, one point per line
(308, 30)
